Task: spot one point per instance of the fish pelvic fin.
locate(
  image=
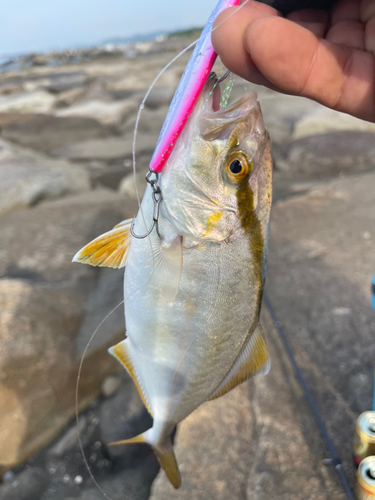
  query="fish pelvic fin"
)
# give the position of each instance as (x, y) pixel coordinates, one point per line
(121, 353)
(252, 360)
(165, 455)
(108, 250)
(167, 267)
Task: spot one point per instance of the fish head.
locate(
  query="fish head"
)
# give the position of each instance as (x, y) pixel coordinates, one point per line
(220, 163)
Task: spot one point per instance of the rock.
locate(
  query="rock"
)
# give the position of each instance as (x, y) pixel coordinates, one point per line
(106, 113)
(28, 485)
(321, 260)
(46, 133)
(9, 88)
(158, 97)
(62, 82)
(69, 440)
(110, 149)
(110, 386)
(322, 120)
(27, 178)
(151, 120)
(27, 102)
(127, 186)
(53, 302)
(327, 155)
(285, 108)
(122, 417)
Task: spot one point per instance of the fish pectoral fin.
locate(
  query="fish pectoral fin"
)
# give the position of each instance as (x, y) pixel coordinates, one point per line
(108, 250)
(252, 360)
(167, 266)
(165, 455)
(121, 353)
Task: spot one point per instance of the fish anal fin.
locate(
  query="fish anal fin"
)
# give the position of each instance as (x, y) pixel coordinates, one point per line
(108, 250)
(165, 455)
(252, 360)
(120, 352)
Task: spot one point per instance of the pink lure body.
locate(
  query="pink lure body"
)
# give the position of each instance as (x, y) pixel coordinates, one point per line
(188, 90)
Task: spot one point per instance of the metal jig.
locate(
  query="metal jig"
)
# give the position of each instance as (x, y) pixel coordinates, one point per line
(157, 198)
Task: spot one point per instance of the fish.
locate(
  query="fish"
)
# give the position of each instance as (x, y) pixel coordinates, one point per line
(193, 287)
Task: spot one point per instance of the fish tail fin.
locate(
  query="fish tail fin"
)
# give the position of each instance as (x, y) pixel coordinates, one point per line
(164, 453)
(168, 463)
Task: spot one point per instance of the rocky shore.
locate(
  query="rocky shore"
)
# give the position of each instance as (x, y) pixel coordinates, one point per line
(66, 132)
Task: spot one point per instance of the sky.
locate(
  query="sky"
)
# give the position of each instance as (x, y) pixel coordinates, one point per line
(43, 25)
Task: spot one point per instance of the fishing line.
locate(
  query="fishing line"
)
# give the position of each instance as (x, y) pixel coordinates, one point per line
(76, 402)
(313, 407)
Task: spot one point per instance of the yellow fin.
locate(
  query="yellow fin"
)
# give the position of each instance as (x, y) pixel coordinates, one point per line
(120, 351)
(137, 439)
(168, 463)
(166, 457)
(252, 360)
(108, 250)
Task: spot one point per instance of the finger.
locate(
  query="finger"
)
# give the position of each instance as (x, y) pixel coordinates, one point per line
(295, 60)
(227, 39)
(348, 33)
(367, 10)
(370, 36)
(315, 21)
(345, 10)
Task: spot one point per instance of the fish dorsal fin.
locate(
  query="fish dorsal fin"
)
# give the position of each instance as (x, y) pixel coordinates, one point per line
(167, 266)
(108, 250)
(252, 360)
(120, 352)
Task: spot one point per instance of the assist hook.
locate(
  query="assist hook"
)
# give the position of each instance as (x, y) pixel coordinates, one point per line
(157, 198)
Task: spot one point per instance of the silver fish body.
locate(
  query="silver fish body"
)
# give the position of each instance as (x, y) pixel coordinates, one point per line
(193, 297)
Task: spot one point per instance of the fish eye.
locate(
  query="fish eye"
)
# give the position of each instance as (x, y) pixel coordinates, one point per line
(237, 166)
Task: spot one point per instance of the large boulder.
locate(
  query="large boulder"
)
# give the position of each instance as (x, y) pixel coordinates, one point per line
(328, 155)
(27, 178)
(50, 309)
(47, 132)
(38, 101)
(107, 113)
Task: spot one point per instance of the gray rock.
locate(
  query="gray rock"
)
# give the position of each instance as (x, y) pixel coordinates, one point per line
(327, 155)
(27, 102)
(107, 113)
(46, 133)
(151, 120)
(127, 186)
(29, 485)
(158, 97)
(110, 149)
(27, 178)
(69, 440)
(110, 386)
(62, 82)
(322, 120)
(321, 261)
(122, 417)
(52, 301)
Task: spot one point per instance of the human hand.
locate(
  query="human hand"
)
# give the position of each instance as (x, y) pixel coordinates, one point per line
(326, 56)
